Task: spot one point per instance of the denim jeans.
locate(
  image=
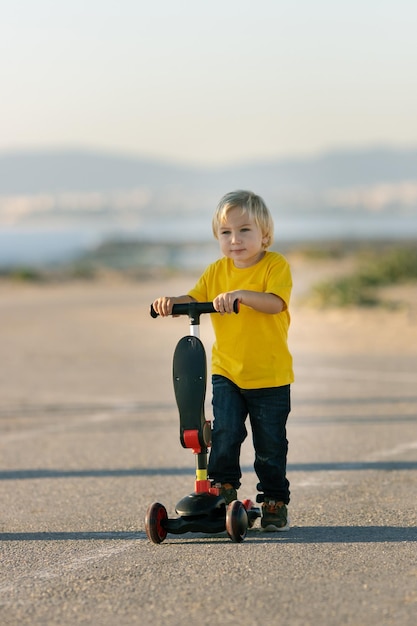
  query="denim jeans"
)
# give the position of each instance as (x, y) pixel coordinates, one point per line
(268, 410)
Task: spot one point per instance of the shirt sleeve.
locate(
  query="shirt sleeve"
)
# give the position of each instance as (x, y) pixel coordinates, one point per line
(279, 280)
(199, 291)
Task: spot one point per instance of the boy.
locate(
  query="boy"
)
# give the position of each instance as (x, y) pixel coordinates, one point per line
(251, 363)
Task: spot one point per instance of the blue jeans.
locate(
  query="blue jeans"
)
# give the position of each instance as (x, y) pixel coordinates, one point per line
(268, 410)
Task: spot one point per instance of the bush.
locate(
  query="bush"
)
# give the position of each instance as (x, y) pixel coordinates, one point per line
(22, 274)
(397, 265)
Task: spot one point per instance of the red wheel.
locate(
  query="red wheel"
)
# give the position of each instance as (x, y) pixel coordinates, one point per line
(236, 521)
(154, 522)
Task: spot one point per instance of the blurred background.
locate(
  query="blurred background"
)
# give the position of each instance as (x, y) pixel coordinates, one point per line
(123, 123)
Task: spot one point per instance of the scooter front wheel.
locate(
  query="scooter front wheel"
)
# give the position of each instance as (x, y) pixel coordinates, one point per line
(154, 522)
(236, 521)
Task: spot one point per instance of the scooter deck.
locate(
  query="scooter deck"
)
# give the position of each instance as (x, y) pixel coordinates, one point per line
(203, 513)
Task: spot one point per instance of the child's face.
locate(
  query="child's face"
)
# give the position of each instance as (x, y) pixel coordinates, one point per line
(241, 239)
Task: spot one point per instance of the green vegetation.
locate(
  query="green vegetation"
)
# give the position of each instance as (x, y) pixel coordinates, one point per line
(320, 251)
(22, 275)
(376, 269)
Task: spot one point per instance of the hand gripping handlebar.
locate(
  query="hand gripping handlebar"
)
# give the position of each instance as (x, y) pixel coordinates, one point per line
(194, 309)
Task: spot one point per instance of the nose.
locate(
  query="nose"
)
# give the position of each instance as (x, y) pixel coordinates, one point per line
(235, 237)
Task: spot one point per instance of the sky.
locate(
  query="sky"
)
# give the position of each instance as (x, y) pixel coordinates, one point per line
(208, 82)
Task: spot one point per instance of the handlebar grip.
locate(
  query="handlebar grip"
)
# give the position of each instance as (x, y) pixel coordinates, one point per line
(189, 308)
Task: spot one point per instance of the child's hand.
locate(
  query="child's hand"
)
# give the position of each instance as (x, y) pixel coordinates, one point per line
(163, 306)
(223, 303)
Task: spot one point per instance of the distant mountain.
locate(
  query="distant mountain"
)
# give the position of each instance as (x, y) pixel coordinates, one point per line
(40, 172)
(63, 171)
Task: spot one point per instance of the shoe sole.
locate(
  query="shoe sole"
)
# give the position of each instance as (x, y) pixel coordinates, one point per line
(271, 528)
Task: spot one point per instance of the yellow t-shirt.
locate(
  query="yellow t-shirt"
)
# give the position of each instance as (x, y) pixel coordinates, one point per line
(250, 348)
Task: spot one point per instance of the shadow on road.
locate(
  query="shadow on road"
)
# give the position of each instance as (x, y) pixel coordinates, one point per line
(298, 534)
(32, 474)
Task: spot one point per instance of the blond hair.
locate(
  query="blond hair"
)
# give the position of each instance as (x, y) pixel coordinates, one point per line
(251, 204)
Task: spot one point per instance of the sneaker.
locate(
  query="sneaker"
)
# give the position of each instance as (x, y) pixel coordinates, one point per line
(274, 516)
(228, 492)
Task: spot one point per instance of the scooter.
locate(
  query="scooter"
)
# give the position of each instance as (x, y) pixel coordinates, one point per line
(204, 510)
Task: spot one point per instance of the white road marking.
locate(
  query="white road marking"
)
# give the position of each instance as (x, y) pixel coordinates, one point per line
(21, 584)
(61, 426)
(400, 449)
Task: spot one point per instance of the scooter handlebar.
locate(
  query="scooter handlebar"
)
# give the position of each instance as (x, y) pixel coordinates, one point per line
(194, 308)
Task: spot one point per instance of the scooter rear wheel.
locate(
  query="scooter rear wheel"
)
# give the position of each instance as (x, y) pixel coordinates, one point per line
(155, 516)
(236, 521)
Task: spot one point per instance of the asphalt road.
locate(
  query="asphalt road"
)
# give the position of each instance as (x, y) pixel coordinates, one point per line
(84, 453)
